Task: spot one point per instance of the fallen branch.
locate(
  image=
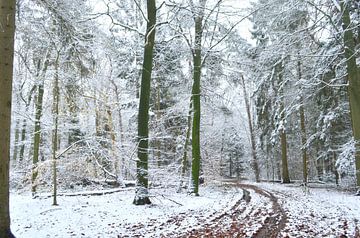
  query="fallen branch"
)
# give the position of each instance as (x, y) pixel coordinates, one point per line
(171, 200)
(86, 193)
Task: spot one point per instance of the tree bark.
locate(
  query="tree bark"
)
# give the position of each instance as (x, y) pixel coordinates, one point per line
(158, 118)
(303, 130)
(195, 165)
(284, 162)
(38, 113)
(37, 135)
(255, 164)
(353, 76)
(7, 23)
(303, 143)
(16, 140)
(184, 161)
(122, 169)
(283, 140)
(56, 99)
(24, 124)
(142, 194)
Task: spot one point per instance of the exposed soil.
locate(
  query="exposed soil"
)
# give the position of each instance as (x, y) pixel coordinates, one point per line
(242, 219)
(277, 219)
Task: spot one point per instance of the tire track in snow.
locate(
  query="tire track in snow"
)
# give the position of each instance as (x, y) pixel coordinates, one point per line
(262, 216)
(275, 221)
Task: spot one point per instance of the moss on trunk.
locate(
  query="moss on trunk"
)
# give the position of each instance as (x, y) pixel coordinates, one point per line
(7, 21)
(141, 197)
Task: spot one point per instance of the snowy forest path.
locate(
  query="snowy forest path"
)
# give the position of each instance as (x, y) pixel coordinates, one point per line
(256, 214)
(276, 221)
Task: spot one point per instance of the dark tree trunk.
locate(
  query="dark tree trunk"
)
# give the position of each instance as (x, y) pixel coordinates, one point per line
(195, 165)
(353, 76)
(283, 140)
(55, 111)
(37, 135)
(303, 130)
(142, 196)
(7, 21)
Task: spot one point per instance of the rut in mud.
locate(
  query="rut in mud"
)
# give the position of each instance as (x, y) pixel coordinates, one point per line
(241, 219)
(277, 219)
(256, 215)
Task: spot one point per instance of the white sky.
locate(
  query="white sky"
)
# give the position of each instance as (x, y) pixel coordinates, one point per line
(233, 6)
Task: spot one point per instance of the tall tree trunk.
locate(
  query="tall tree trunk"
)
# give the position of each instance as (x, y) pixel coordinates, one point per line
(278, 159)
(113, 141)
(122, 169)
(303, 130)
(353, 76)
(184, 161)
(56, 99)
(24, 124)
(255, 164)
(7, 22)
(283, 140)
(22, 140)
(142, 196)
(303, 143)
(37, 135)
(195, 165)
(16, 140)
(41, 70)
(158, 117)
(284, 160)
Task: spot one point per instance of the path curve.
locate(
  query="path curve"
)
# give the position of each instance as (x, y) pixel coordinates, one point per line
(257, 217)
(277, 221)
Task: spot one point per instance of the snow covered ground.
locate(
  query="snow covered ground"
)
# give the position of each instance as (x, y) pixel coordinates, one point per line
(274, 209)
(317, 212)
(109, 215)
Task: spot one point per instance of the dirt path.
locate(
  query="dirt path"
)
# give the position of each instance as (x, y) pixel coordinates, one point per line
(277, 219)
(244, 219)
(257, 215)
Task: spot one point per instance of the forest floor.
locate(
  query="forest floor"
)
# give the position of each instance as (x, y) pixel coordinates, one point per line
(221, 210)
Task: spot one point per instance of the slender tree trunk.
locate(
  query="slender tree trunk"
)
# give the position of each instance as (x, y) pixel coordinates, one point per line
(16, 141)
(7, 22)
(122, 167)
(255, 164)
(158, 117)
(303, 143)
(184, 161)
(22, 140)
(284, 160)
(195, 165)
(303, 130)
(37, 135)
(283, 140)
(24, 125)
(113, 142)
(56, 99)
(38, 113)
(333, 168)
(142, 194)
(353, 76)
